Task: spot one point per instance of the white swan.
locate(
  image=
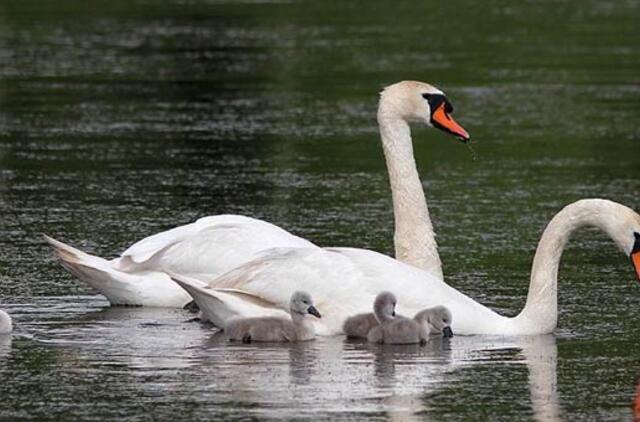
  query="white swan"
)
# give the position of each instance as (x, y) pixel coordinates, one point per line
(345, 281)
(6, 326)
(213, 245)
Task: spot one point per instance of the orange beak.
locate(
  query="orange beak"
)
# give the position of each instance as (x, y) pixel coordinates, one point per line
(442, 120)
(635, 260)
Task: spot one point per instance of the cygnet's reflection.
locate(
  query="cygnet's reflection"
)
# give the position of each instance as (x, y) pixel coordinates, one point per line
(404, 373)
(5, 345)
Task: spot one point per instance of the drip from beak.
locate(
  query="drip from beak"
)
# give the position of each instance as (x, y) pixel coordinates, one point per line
(393, 313)
(313, 311)
(447, 332)
(443, 121)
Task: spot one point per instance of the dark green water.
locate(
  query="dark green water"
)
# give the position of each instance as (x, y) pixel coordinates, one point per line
(120, 119)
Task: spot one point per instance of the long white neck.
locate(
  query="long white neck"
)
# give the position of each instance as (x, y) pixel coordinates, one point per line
(540, 314)
(414, 239)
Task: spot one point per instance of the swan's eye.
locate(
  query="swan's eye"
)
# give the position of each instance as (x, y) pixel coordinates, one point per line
(448, 107)
(305, 302)
(636, 245)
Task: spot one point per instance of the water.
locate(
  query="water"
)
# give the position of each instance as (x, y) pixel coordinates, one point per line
(119, 120)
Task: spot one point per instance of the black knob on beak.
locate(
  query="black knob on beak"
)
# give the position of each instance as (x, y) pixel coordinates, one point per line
(447, 332)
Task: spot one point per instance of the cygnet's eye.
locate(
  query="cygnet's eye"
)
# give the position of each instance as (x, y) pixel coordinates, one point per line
(305, 302)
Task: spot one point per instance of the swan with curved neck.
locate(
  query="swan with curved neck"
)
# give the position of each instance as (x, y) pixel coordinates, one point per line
(344, 281)
(401, 104)
(214, 245)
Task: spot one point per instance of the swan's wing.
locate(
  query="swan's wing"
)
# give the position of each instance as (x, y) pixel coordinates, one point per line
(209, 247)
(221, 306)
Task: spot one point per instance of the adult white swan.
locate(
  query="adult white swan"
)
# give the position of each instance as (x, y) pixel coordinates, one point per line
(344, 282)
(213, 245)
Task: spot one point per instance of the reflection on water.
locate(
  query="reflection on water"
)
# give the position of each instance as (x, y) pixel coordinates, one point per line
(151, 353)
(5, 345)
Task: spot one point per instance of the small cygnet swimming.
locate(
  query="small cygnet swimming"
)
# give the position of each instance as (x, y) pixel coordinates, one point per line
(6, 325)
(392, 328)
(275, 329)
(436, 320)
(433, 321)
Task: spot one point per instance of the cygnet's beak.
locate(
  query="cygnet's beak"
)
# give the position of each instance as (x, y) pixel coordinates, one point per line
(443, 121)
(635, 255)
(447, 332)
(313, 311)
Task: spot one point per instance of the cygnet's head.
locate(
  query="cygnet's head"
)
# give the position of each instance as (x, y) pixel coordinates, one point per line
(384, 307)
(420, 102)
(301, 303)
(439, 320)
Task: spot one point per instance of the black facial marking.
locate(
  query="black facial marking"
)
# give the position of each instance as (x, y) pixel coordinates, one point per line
(435, 100)
(636, 245)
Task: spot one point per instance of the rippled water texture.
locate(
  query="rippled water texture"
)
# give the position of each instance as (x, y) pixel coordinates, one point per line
(123, 118)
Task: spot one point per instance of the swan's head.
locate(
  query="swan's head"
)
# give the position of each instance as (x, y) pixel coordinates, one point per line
(439, 320)
(630, 237)
(301, 303)
(620, 222)
(419, 102)
(384, 307)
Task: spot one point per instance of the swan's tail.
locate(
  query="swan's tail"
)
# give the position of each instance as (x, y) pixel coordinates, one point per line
(220, 306)
(151, 288)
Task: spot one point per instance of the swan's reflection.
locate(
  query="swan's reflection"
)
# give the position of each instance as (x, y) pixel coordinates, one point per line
(636, 401)
(5, 345)
(327, 376)
(405, 375)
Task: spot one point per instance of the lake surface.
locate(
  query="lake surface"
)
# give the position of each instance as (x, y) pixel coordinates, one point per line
(125, 118)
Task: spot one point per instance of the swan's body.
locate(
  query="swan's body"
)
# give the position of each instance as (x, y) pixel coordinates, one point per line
(213, 245)
(6, 326)
(344, 282)
(275, 329)
(202, 250)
